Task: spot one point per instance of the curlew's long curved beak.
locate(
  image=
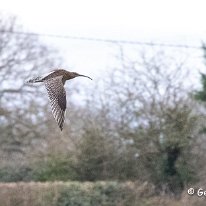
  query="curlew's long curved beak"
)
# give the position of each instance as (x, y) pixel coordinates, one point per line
(80, 75)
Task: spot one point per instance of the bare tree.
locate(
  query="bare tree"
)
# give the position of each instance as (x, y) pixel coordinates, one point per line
(146, 104)
(22, 119)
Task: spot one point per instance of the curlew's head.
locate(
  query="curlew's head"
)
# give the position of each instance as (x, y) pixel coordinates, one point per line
(74, 74)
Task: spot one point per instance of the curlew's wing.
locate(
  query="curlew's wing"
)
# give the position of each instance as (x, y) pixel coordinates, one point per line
(57, 97)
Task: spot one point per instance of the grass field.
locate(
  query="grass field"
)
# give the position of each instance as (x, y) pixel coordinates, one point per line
(88, 194)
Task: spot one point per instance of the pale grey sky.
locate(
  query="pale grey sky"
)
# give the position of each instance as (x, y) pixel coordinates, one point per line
(162, 21)
(115, 18)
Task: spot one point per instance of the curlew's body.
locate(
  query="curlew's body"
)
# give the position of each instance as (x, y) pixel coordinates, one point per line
(54, 83)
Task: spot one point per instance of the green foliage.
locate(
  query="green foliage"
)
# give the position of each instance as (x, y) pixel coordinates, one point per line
(109, 194)
(201, 94)
(87, 194)
(169, 176)
(101, 157)
(53, 169)
(10, 174)
(56, 167)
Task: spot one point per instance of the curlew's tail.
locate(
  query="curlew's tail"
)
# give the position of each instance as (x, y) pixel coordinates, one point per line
(34, 80)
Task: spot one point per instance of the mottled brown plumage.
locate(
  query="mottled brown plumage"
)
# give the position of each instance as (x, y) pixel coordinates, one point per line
(54, 83)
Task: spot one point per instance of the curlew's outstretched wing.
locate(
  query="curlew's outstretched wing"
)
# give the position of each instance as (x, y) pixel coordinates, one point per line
(57, 97)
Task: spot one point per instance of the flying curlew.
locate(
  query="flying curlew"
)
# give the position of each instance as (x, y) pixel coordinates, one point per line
(54, 83)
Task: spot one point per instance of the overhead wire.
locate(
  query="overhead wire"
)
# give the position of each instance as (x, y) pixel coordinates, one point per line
(103, 40)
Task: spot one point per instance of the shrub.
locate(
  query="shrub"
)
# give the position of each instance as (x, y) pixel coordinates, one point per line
(100, 193)
(55, 168)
